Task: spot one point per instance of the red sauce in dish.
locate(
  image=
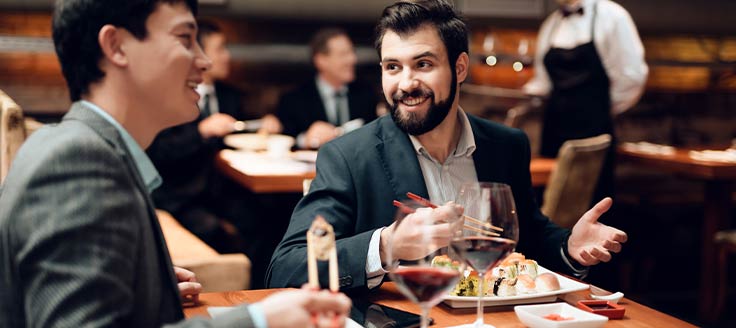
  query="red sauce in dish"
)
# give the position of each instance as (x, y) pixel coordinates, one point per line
(557, 317)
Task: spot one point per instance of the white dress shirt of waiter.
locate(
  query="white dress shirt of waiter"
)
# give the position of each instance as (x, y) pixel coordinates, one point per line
(616, 40)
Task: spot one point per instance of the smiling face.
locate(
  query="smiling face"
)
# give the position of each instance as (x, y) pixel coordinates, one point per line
(418, 81)
(165, 68)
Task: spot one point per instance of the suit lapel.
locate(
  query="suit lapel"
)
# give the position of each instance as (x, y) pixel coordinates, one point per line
(317, 115)
(354, 106)
(399, 160)
(108, 132)
(485, 157)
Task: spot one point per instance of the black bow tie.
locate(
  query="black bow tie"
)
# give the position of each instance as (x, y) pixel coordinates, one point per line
(567, 12)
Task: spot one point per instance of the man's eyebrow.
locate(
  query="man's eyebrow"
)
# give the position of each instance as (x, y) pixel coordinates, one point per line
(419, 56)
(425, 54)
(189, 25)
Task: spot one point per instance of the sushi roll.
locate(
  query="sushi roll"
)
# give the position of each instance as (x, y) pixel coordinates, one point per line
(528, 267)
(504, 287)
(525, 285)
(547, 282)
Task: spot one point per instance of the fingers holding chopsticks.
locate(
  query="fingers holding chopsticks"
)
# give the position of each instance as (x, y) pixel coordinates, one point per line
(316, 308)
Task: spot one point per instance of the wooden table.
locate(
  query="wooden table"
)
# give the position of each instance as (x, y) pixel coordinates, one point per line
(263, 183)
(540, 169)
(719, 184)
(637, 315)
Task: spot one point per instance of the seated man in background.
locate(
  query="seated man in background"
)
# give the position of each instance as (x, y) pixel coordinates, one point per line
(313, 112)
(204, 201)
(81, 244)
(428, 146)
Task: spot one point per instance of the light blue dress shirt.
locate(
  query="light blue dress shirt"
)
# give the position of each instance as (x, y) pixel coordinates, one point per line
(148, 172)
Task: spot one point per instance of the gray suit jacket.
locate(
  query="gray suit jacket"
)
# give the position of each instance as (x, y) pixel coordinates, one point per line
(80, 244)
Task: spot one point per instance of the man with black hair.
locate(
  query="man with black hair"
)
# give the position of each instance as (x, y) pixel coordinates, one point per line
(81, 245)
(428, 146)
(314, 111)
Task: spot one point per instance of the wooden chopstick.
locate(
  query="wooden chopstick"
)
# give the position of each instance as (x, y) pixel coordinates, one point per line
(427, 203)
(322, 247)
(409, 210)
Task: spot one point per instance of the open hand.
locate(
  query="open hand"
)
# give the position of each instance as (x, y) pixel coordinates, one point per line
(592, 242)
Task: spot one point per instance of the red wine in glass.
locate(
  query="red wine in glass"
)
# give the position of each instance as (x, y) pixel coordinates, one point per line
(426, 284)
(483, 253)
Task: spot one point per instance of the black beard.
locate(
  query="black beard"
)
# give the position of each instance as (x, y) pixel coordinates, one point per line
(437, 112)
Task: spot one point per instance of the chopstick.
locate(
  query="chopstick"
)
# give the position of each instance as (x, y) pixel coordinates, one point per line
(409, 210)
(321, 246)
(427, 203)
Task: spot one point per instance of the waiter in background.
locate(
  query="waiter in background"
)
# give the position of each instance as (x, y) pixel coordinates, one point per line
(590, 64)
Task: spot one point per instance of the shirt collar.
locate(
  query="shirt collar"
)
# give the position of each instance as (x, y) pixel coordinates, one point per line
(326, 90)
(583, 4)
(148, 172)
(465, 145)
(205, 89)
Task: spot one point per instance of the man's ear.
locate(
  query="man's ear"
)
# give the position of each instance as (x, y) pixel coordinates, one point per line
(319, 61)
(110, 39)
(461, 67)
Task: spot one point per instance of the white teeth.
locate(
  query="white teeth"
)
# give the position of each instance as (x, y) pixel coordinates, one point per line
(192, 84)
(413, 101)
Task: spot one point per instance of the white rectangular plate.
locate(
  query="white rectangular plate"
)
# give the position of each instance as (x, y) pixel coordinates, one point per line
(566, 286)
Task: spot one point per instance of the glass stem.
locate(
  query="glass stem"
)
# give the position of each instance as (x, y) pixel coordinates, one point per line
(425, 316)
(481, 293)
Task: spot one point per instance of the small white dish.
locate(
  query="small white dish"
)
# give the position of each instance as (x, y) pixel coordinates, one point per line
(613, 298)
(533, 316)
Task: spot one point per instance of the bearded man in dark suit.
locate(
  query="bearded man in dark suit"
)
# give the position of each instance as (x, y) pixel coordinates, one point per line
(429, 146)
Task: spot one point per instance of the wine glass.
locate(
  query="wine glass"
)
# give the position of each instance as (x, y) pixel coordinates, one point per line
(489, 233)
(419, 241)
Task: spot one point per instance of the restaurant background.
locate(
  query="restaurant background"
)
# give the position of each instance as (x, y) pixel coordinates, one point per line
(690, 99)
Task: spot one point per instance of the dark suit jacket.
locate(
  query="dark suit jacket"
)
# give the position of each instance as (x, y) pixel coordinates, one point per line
(186, 161)
(360, 174)
(80, 244)
(301, 107)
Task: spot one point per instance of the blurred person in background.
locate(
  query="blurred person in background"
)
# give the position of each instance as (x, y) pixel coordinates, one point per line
(314, 111)
(81, 243)
(590, 66)
(207, 203)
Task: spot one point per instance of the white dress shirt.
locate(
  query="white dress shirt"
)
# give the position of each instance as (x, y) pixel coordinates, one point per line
(208, 89)
(616, 40)
(327, 93)
(443, 180)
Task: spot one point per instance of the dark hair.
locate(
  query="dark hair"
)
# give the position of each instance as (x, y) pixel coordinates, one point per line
(205, 29)
(76, 24)
(318, 44)
(405, 17)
